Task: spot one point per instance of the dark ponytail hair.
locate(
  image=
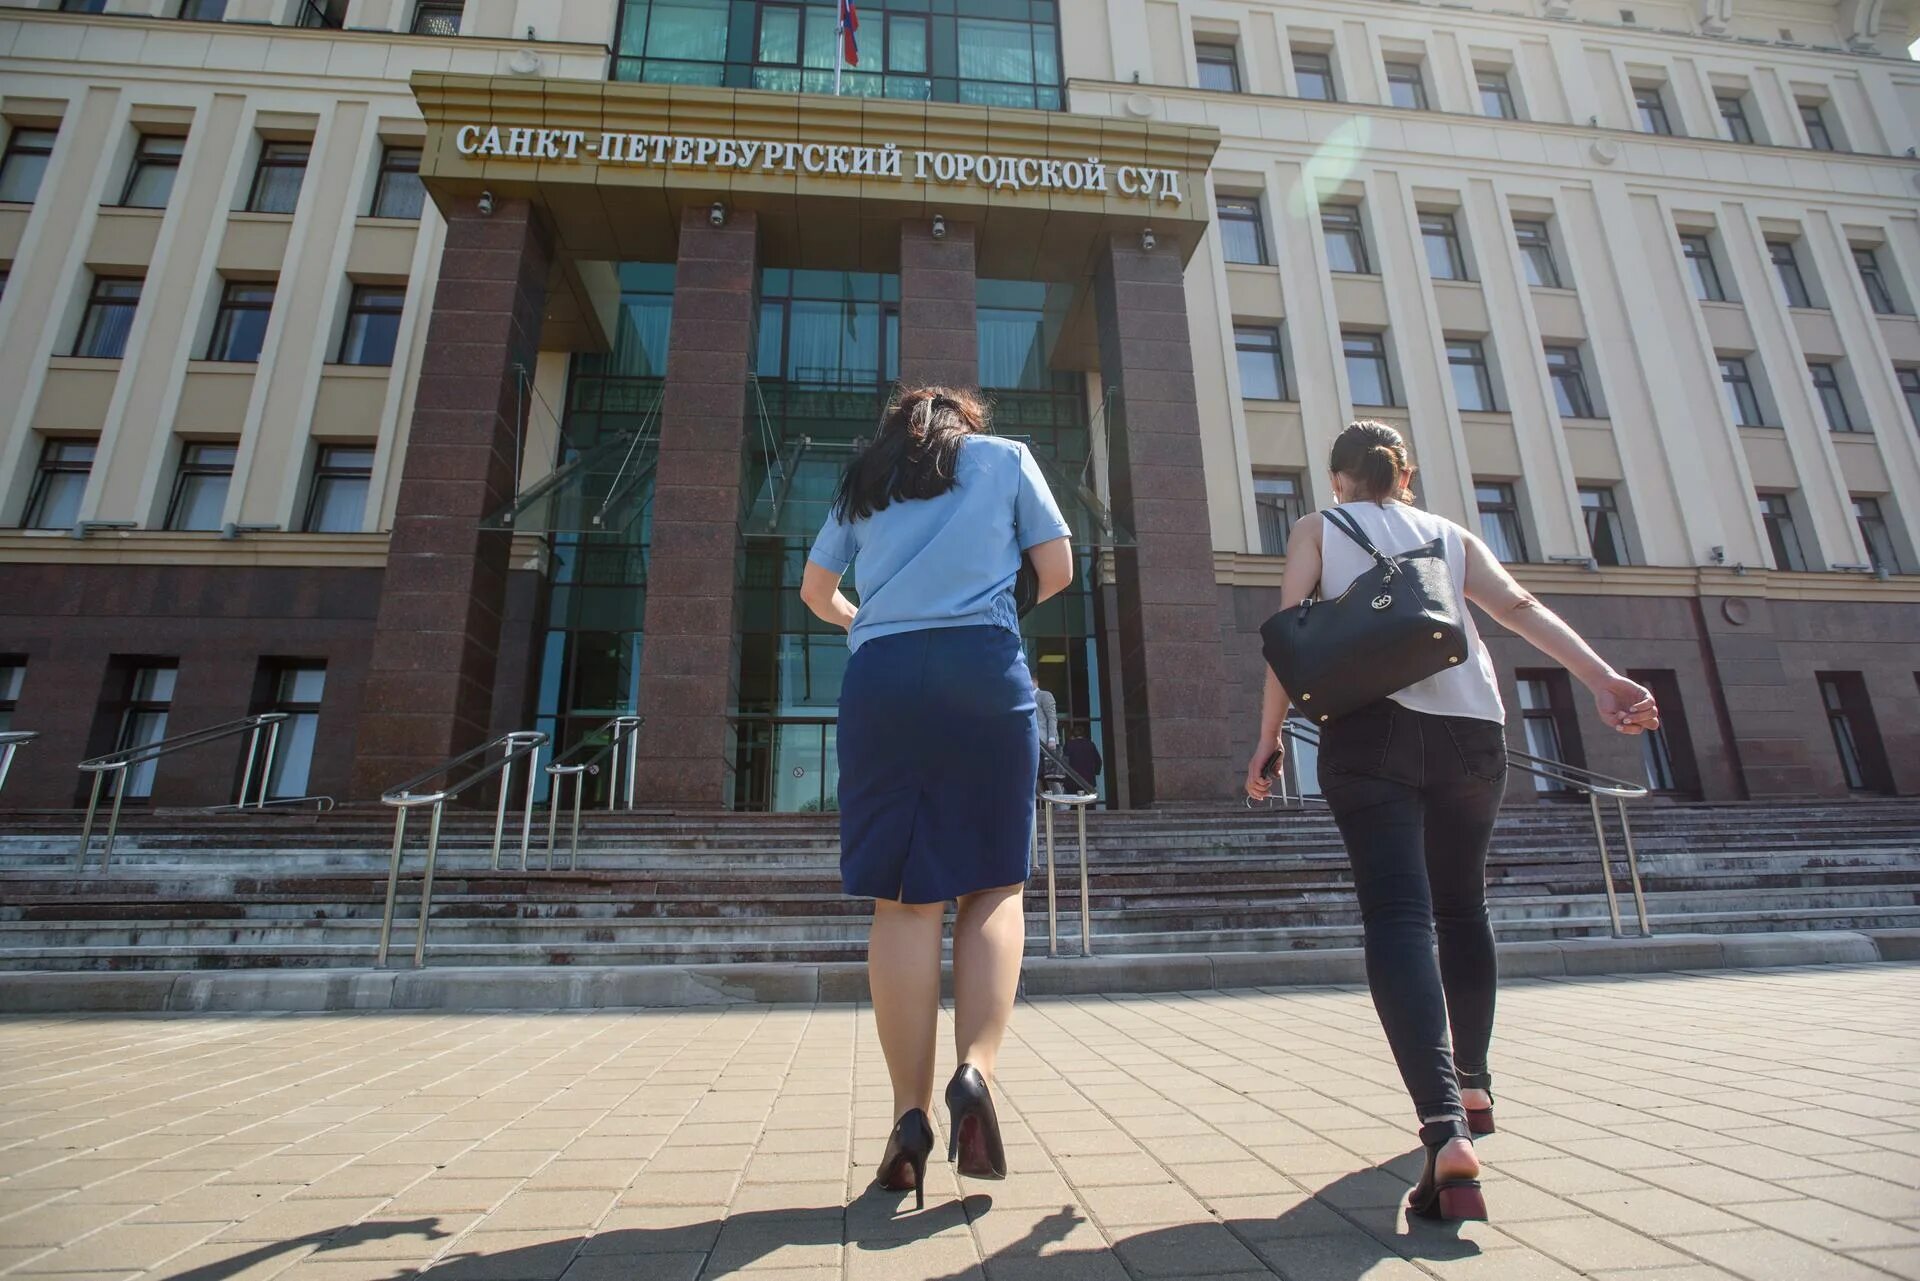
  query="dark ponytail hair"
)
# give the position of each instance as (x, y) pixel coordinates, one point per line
(915, 453)
(1374, 457)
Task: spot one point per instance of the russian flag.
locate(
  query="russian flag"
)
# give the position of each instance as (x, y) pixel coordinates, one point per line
(848, 27)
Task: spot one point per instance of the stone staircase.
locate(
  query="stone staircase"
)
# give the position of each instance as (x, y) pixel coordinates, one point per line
(195, 891)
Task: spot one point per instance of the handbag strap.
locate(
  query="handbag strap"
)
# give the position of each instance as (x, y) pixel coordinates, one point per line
(1347, 525)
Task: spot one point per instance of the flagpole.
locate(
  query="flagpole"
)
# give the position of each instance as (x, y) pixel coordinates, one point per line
(839, 43)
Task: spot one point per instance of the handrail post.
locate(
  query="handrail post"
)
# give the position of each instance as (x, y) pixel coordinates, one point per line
(246, 776)
(86, 828)
(1053, 914)
(266, 770)
(113, 818)
(393, 883)
(526, 811)
(633, 761)
(426, 885)
(1606, 863)
(1633, 868)
(554, 783)
(573, 839)
(1086, 902)
(500, 809)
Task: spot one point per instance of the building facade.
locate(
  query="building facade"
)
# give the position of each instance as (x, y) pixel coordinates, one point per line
(430, 370)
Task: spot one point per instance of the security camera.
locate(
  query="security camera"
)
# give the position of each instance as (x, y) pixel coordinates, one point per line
(1719, 555)
(486, 204)
(1147, 240)
(939, 227)
(717, 215)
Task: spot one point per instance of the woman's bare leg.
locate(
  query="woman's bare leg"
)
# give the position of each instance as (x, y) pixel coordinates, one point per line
(989, 939)
(903, 971)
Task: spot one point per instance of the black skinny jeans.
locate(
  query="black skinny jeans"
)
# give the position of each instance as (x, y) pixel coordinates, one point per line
(1415, 796)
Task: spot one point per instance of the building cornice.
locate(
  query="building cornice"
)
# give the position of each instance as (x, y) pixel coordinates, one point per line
(279, 31)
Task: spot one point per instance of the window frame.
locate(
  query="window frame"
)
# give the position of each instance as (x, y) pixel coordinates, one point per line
(1650, 104)
(1873, 279)
(1475, 360)
(1377, 345)
(190, 469)
(325, 473)
(1567, 369)
(1907, 378)
(1277, 513)
(1501, 92)
(1217, 52)
(1696, 248)
(1404, 73)
(1786, 269)
(388, 173)
(1813, 119)
(1344, 222)
(321, 15)
(187, 11)
(97, 300)
(33, 515)
(1250, 340)
(1321, 67)
(282, 684)
(1783, 534)
(145, 160)
(22, 143)
(1736, 377)
(219, 346)
(13, 679)
(1249, 211)
(1504, 508)
(1454, 248)
(1552, 718)
(137, 782)
(425, 11)
(1882, 555)
(1534, 237)
(357, 308)
(1743, 132)
(1604, 516)
(1831, 394)
(268, 161)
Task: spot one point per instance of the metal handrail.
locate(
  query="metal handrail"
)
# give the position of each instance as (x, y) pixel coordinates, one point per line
(619, 731)
(118, 762)
(1580, 779)
(1078, 801)
(518, 745)
(11, 741)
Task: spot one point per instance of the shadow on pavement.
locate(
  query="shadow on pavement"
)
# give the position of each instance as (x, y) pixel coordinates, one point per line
(1341, 1233)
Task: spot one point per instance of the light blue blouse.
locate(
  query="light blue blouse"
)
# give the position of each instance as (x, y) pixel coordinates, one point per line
(948, 561)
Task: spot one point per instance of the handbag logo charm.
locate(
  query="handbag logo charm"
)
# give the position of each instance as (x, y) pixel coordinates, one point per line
(1381, 602)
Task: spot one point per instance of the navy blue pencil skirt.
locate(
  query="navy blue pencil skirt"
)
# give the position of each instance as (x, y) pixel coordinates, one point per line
(938, 753)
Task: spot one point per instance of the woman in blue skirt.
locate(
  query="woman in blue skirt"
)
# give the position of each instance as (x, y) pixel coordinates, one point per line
(938, 748)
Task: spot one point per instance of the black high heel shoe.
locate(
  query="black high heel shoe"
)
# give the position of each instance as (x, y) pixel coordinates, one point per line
(904, 1167)
(1445, 1199)
(973, 1131)
(1479, 1120)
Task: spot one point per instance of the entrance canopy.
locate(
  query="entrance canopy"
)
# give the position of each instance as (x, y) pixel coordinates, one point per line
(613, 165)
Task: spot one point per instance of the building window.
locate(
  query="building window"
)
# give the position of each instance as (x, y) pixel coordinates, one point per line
(1472, 380)
(200, 487)
(1545, 721)
(1733, 114)
(437, 18)
(1346, 239)
(1407, 85)
(1874, 281)
(1909, 377)
(1569, 378)
(58, 484)
(1368, 377)
(108, 318)
(1218, 63)
(1446, 258)
(1651, 102)
(341, 477)
(398, 191)
(1279, 500)
(156, 162)
(1500, 520)
(297, 689)
(1243, 235)
(83, 6)
(1819, 135)
(1313, 75)
(278, 176)
(1263, 366)
(1833, 400)
(1667, 752)
(330, 14)
(13, 674)
(1496, 95)
(1698, 251)
(1875, 533)
(1536, 253)
(373, 325)
(1856, 735)
(1743, 398)
(1606, 532)
(144, 722)
(1776, 515)
(23, 164)
(1786, 265)
(203, 10)
(240, 326)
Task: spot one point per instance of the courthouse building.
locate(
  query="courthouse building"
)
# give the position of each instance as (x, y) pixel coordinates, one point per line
(429, 370)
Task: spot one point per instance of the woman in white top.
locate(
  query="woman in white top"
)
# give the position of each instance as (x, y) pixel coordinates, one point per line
(1415, 782)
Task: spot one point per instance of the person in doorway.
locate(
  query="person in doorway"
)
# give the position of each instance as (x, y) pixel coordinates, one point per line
(1414, 782)
(1046, 715)
(938, 743)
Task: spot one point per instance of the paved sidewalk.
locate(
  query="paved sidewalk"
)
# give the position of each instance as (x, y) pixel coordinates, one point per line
(1761, 1124)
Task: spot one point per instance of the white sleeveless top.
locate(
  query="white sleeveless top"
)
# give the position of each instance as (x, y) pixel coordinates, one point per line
(1467, 690)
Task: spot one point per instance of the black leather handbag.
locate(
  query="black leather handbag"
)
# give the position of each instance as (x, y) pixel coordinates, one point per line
(1397, 623)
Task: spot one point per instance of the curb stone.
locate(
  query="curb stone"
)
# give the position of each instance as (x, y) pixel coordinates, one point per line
(844, 982)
